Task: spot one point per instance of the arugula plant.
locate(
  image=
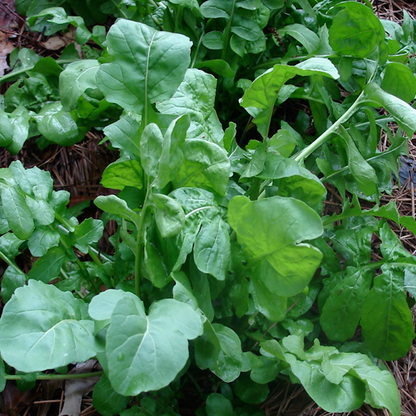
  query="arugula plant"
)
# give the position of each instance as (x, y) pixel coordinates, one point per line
(222, 258)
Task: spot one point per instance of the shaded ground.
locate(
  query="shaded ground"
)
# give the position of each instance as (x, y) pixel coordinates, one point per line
(78, 169)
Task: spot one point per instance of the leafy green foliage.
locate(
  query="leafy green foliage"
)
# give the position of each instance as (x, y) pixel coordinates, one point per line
(221, 248)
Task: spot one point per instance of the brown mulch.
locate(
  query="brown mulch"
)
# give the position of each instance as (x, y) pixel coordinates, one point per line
(78, 170)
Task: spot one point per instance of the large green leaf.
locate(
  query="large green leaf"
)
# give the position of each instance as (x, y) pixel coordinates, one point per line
(294, 180)
(355, 31)
(57, 125)
(212, 248)
(43, 328)
(345, 396)
(124, 134)
(381, 387)
(169, 215)
(75, 80)
(204, 228)
(147, 65)
(48, 266)
(260, 97)
(172, 157)
(206, 166)
(272, 230)
(342, 310)
(386, 319)
(196, 96)
(42, 240)
(123, 172)
(303, 35)
(146, 352)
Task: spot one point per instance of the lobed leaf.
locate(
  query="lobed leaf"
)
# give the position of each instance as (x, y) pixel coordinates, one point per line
(42, 328)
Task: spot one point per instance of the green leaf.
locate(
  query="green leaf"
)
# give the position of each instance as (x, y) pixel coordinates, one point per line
(2, 376)
(42, 240)
(147, 65)
(263, 370)
(400, 81)
(6, 129)
(20, 121)
(169, 215)
(404, 115)
(171, 157)
(294, 180)
(260, 98)
(206, 166)
(156, 270)
(106, 400)
(34, 182)
(218, 66)
(347, 395)
(342, 310)
(123, 172)
(146, 352)
(219, 349)
(249, 391)
(381, 386)
(114, 205)
(213, 40)
(272, 230)
(59, 17)
(212, 248)
(10, 244)
(102, 305)
(271, 305)
(363, 173)
(182, 291)
(11, 280)
(196, 96)
(218, 405)
(151, 145)
(124, 134)
(303, 35)
(49, 266)
(75, 80)
(355, 31)
(57, 125)
(42, 212)
(386, 320)
(17, 213)
(88, 232)
(53, 329)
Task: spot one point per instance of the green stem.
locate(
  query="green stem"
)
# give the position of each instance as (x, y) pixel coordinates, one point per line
(302, 155)
(57, 376)
(29, 68)
(139, 243)
(94, 256)
(178, 17)
(11, 264)
(65, 223)
(103, 256)
(227, 33)
(197, 49)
